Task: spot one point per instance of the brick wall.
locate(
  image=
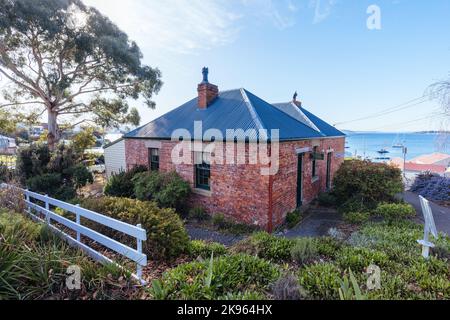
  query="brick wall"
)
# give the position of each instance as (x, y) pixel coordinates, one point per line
(240, 191)
(284, 195)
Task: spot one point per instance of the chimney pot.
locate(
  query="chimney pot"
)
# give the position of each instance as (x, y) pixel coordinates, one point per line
(294, 100)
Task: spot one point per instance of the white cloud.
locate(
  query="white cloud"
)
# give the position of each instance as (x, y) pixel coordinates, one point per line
(185, 27)
(175, 25)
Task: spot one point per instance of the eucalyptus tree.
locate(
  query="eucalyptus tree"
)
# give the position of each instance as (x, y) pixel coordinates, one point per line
(64, 58)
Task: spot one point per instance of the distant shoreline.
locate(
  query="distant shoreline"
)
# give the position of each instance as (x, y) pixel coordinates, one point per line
(387, 132)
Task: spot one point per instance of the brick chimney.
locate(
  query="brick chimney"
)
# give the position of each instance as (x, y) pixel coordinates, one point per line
(207, 92)
(295, 101)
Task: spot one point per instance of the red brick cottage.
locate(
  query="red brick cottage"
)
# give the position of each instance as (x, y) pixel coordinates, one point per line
(308, 153)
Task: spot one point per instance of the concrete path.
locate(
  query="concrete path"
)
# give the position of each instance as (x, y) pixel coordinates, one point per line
(441, 214)
(196, 233)
(316, 224)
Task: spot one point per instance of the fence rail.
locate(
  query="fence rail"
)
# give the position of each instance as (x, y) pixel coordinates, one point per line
(46, 215)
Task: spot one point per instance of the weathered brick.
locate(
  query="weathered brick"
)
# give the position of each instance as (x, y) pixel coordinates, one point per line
(239, 190)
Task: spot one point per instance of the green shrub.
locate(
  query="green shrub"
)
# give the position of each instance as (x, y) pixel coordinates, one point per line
(220, 221)
(33, 160)
(246, 295)
(358, 259)
(52, 184)
(326, 199)
(227, 225)
(166, 236)
(266, 246)
(200, 248)
(169, 190)
(229, 276)
(81, 176)
(356, 217)
(304, 250)
(121, 184)
(395, 211)
(328, 246)
(355, 204)
(33, 266)
(368, 181)
(57, 173)
(199, 214)
(321, 280)
(293, 218)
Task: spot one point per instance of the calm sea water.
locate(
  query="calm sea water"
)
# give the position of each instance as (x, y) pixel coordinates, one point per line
(367, 144)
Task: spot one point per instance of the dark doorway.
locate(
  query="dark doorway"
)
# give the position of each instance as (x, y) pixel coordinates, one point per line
(329, 158)
(300, 180)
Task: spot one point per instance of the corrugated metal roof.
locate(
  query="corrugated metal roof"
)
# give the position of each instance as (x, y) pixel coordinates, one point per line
(314, 121)
(233, 109)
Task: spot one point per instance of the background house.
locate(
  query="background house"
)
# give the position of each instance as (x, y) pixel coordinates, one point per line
(7, 145)
(310, 152)
(438, 163)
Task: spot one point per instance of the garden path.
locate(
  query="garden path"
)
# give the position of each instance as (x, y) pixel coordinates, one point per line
(316, 224)
(441, 214)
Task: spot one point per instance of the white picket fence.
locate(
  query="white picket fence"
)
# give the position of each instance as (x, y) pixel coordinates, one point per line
(44, 214)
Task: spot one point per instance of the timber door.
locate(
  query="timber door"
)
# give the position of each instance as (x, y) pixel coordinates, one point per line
(329, 158)
(300, 180)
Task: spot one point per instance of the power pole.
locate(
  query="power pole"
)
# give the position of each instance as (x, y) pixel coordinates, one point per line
(405, 151)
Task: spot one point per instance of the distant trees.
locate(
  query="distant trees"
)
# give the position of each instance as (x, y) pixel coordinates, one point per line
(63, 58)
(441, 91)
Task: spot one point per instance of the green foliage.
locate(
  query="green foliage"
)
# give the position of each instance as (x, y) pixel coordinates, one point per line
(33, 264)
(355, 204)
(358, 259)
(200, 248)
(328, 246)
(166, 236)
(356, 217)
(199, 214)
(293, 218)
(169, 190)
(121, 184)
(51, 184)
(304, 250)
(100, 70)
(327, 199)
(57, 173)
(33, 160)
(321, 280)
(395, 211)
(229, 276)
(84, 139)
(366, 181)
(353, 292)
(221, 222)
(266, 246)
(81, 176)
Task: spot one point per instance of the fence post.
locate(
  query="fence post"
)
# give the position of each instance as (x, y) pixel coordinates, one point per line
(78, 223)
(27, 198)
(47, 207)
(139, 249)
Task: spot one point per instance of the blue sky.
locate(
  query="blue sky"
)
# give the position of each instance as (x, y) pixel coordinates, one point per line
(321, 48)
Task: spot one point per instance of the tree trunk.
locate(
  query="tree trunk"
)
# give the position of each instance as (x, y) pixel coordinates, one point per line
(53, 132)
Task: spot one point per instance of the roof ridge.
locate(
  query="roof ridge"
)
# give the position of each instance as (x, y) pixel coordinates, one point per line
(252, 110)
(299, 109)
(313, 127)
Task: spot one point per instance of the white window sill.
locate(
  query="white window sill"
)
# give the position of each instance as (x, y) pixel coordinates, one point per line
(202, 192)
